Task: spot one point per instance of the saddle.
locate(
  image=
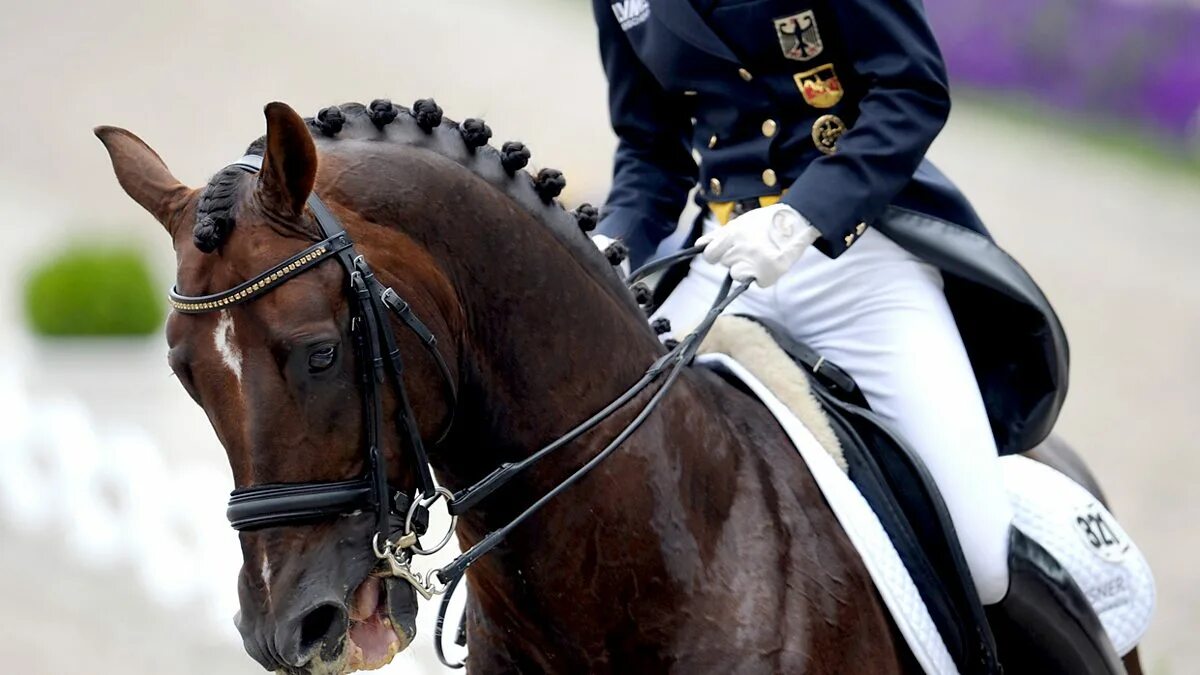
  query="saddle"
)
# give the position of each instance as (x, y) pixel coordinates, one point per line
(894, 483)
(898, 488)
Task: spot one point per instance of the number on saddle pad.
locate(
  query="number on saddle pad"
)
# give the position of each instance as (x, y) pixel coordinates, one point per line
(1099, 531)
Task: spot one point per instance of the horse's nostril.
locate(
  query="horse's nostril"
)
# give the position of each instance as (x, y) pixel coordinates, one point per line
(319, 625)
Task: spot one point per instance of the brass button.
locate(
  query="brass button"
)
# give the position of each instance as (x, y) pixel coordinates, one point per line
(745, 74)
(769, 178)
(714, 186)
(712, 142)
(849, 239)
(769, 128)
(862, 227)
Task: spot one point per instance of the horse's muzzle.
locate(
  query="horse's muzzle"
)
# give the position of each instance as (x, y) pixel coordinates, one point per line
(330, 635)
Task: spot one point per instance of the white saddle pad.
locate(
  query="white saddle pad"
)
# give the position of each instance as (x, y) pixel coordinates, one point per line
(1074, 526)
(1050, 508)
(861, 525)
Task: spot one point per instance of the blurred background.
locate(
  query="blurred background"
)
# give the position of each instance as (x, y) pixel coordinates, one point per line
(1076, 131)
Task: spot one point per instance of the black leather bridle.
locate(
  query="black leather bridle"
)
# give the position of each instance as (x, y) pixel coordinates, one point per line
(264, 506)
(274, 505)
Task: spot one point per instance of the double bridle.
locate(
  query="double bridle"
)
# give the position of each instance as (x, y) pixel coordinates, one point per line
(274, 505)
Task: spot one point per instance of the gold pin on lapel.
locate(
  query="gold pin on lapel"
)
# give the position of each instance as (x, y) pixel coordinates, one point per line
(826, 131)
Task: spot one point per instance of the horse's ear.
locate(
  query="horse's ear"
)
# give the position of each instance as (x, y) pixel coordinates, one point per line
(143, 174)
(289, 163)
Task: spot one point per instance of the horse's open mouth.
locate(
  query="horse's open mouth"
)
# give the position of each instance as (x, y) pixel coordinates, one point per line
(373, 640)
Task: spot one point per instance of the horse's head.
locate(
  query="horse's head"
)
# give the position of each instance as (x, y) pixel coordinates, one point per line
(281, 381)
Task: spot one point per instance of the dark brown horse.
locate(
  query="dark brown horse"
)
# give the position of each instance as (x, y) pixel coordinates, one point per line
(702, 545)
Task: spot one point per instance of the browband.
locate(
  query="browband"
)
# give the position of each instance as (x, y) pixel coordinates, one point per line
(249, 290)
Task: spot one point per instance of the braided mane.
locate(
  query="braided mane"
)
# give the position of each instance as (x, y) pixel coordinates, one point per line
(416, 126)
(425, 126)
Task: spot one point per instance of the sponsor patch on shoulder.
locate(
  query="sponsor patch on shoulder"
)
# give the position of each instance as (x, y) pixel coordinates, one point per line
(631, 13)
(799, 37)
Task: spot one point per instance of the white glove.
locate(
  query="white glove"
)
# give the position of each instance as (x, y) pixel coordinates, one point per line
(761, 244)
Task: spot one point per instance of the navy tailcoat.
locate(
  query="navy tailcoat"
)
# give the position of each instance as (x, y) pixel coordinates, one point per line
(831, 104)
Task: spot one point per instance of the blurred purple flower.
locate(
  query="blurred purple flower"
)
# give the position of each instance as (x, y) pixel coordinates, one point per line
(1115, 58)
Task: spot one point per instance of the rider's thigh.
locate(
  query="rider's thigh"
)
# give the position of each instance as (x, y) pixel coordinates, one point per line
(881, 314)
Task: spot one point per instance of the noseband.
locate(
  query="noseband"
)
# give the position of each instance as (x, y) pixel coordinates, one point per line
(274, 505)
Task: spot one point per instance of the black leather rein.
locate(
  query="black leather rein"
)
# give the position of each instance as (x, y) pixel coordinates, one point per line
(274, 505)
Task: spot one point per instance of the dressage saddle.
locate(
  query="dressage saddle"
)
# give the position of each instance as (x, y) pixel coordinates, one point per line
(1043, 625)
(896, 484)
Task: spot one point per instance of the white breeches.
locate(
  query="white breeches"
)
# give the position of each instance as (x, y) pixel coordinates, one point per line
(880, 314)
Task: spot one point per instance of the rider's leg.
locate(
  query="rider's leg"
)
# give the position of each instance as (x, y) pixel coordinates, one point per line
(881, 314)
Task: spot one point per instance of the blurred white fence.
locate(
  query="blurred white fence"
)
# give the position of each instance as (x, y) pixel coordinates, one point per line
(112, 501)
(107, 494)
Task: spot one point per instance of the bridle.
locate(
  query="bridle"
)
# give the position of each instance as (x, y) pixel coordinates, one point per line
(274, 505)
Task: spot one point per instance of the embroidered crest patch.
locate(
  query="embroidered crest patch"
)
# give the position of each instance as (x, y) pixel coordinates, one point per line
(798, 36)
(820, 86)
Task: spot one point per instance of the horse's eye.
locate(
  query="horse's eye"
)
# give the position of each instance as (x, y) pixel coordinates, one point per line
(322, 358)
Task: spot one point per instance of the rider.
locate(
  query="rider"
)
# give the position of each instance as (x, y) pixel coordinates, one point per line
(805, 126)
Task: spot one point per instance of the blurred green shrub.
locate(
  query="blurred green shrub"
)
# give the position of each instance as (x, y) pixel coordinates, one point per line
(93, 291)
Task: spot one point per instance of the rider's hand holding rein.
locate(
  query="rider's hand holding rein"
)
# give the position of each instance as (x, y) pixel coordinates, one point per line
(760, 245)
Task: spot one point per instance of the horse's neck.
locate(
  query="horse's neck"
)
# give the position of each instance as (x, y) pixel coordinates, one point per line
(547, 345)
(542, 331)
(634, 541)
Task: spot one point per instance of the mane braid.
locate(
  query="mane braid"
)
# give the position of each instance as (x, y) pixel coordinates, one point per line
(425, 126)
(214, 212)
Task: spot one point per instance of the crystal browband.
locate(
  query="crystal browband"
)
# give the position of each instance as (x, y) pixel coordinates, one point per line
(313, 255)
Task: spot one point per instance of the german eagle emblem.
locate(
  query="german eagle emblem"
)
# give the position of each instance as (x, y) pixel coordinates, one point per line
(799, 37)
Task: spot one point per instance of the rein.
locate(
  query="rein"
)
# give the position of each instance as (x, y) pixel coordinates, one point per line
(273, 505)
